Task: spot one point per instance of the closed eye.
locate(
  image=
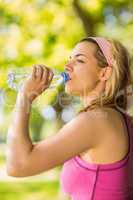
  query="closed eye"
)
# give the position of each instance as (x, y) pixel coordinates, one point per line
(81, 61)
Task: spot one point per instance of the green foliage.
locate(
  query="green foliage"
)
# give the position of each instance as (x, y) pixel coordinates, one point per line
(29, 190)
(30, 34)
(2, 159)
(36, 122)
(45, 31)
(34, 32)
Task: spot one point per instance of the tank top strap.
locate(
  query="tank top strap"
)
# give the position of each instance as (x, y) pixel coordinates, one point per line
(126, 120)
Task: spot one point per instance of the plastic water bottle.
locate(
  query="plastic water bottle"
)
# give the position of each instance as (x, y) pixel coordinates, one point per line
(16, 79)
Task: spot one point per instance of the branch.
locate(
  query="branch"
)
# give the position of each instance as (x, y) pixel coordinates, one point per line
(85, 17)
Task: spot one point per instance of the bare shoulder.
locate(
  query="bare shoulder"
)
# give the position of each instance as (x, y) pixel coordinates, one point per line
(95, 116)
(96, 113)
(105, 119)
(93, 120)
(111, 120)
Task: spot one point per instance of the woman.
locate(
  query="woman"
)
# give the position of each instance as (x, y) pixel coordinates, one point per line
(94, 146)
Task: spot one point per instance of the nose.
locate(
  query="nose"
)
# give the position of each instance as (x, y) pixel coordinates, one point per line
(69, 66)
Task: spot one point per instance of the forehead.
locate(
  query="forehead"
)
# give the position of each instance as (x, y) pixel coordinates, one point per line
(87, 48)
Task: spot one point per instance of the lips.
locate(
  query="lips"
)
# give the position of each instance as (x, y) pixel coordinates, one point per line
(69, 77)
(68, 80)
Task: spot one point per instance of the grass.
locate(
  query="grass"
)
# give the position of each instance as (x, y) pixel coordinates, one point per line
(29, 190)
(2, 159)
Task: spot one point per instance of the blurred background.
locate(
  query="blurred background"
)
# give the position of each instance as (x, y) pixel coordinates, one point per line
(45, 31)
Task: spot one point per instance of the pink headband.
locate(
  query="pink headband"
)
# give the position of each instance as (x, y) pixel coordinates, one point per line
(105, 47)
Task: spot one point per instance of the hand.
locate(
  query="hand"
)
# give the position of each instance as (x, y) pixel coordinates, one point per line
(37, 82)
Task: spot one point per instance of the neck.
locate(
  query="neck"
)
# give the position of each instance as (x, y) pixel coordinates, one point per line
(97, 92)
(87, 100)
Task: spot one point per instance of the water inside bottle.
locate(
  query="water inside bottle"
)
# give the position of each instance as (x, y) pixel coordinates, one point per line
(17, 76)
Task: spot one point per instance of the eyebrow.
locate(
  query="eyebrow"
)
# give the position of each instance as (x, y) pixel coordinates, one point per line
(79, 54)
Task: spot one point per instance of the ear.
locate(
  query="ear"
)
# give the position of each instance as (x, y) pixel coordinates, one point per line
(105, 73)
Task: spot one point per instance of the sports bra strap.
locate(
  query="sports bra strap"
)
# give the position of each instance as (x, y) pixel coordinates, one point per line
(125, 116)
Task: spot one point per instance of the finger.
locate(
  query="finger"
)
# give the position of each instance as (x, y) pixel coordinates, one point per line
(41, 71)
(38, 72)
(45, 75)
(33, 74)
(51, 74)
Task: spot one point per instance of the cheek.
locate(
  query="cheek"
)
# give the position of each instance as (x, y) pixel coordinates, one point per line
(86, 77)
(84, 80)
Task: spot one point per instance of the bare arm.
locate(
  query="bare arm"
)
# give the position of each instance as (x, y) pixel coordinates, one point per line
(19, 144)
(25, 159)
(75, 137)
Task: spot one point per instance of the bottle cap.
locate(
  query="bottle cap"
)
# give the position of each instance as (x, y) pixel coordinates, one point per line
(65, 76)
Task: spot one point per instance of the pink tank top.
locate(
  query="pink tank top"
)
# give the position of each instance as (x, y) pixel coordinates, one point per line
(87, 181)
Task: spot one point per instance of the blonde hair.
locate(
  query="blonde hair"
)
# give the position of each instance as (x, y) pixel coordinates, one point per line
(120, 78)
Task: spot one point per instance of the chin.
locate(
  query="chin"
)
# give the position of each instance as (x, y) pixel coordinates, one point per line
(70, 91)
